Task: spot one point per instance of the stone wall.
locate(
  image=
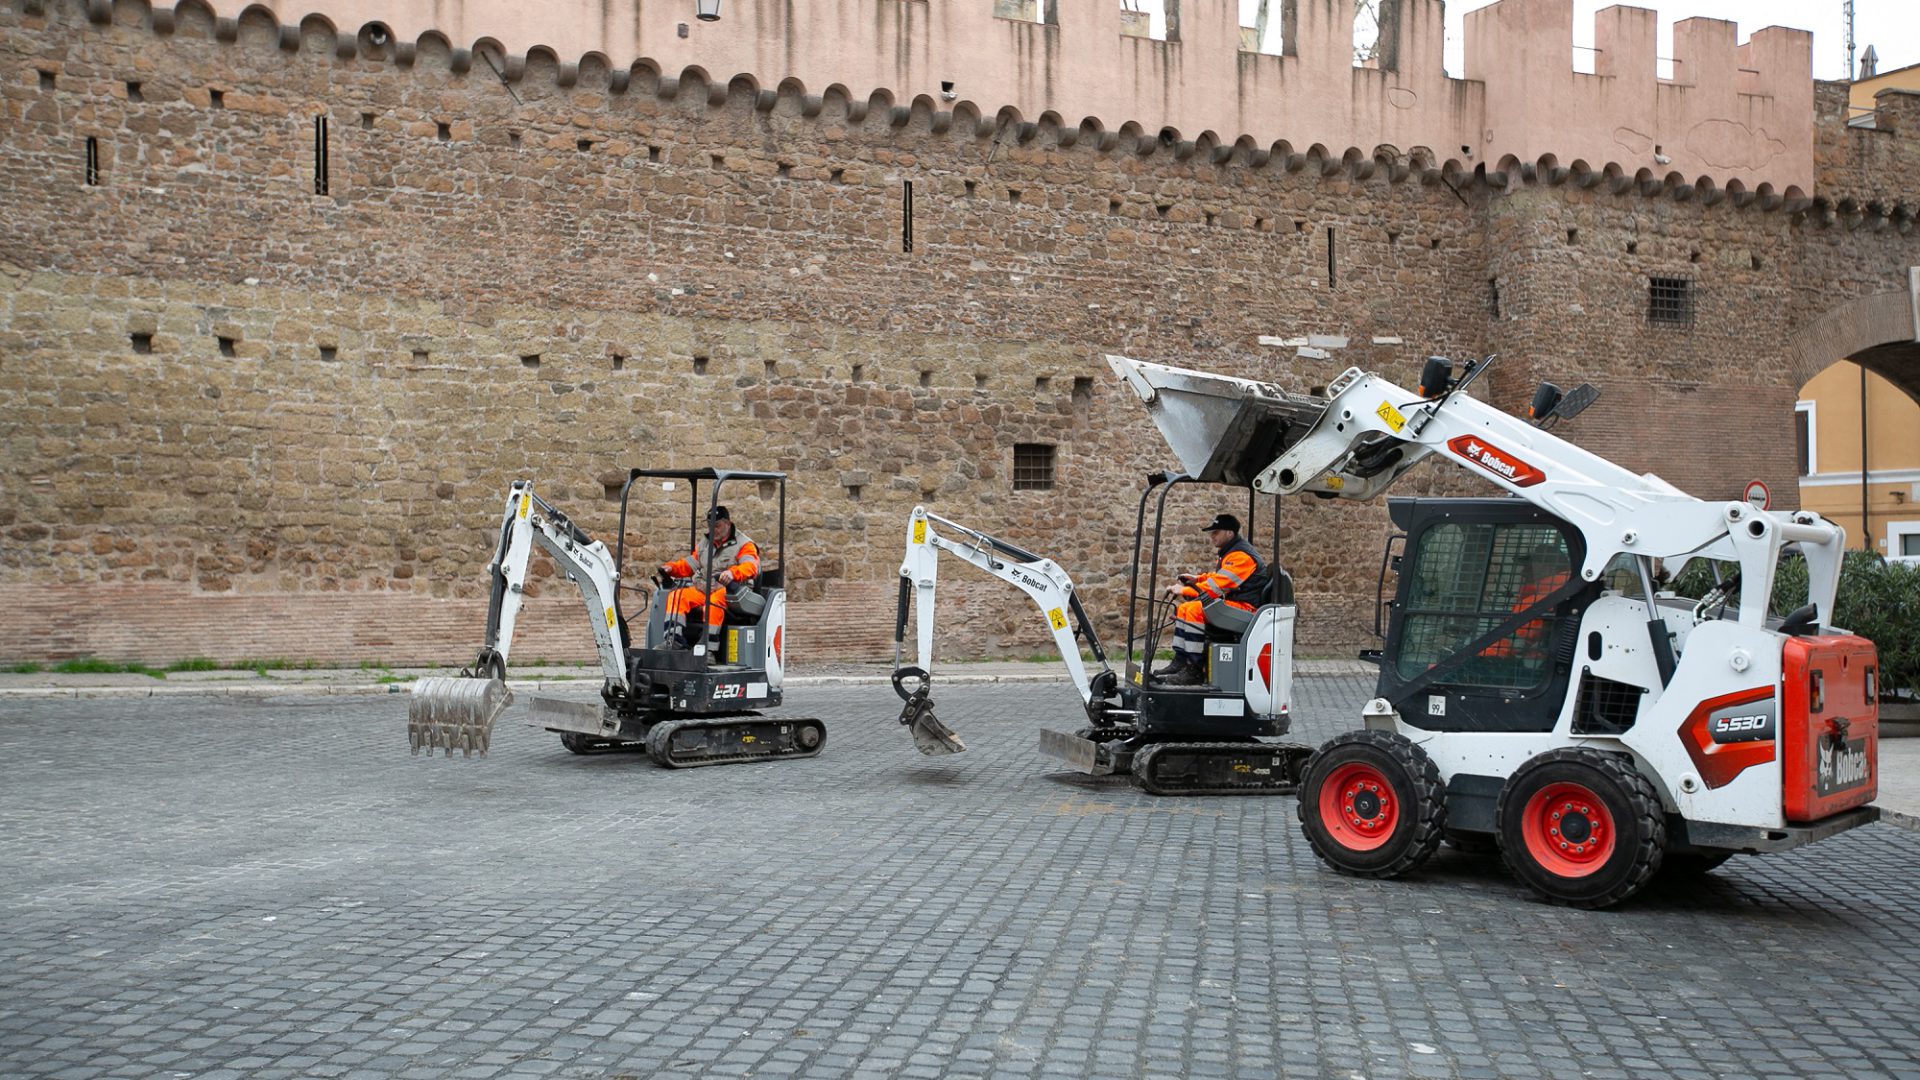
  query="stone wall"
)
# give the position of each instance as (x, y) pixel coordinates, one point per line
(254, 420)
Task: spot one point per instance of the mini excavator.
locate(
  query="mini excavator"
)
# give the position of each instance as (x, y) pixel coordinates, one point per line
(686, 707)
(1190, 740)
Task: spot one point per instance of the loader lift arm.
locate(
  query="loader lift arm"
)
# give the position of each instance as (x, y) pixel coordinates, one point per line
(1039, 577)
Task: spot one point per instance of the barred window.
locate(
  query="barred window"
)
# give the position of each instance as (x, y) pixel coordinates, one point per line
(1032, 467)
(1670, 301)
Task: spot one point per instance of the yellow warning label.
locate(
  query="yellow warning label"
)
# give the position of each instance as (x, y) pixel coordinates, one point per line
(1335, 483)
(1058, 618)
(609, 618)
(525, 501)
(1391, 415)
(733, 646)
(919, 532)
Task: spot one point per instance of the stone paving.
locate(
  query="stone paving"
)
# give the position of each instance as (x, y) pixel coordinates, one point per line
(272, 888)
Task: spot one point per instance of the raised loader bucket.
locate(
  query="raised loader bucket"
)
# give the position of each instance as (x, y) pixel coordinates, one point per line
(1223, 429)
(455, 713)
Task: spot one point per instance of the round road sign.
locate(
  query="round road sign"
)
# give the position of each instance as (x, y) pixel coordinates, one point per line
(1758, 495)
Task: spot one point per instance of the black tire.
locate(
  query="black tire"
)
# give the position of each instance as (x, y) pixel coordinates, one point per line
(1371, 804)
(577, 742)
(1692, 863)
(1473, 843)
(1615, 834)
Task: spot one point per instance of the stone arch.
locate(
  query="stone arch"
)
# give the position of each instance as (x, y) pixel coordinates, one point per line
(1879, 331)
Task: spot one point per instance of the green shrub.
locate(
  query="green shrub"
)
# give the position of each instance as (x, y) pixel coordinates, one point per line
(1878, 600)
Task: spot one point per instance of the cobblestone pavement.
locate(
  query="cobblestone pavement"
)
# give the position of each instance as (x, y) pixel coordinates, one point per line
(273, 888)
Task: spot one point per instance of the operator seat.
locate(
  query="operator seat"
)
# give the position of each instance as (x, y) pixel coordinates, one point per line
(1227, 623)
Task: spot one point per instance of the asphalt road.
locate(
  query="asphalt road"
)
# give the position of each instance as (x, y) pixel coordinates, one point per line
(263, 888)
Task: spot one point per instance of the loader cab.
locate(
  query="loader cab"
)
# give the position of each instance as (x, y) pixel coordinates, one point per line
(746, 668)
(1485, 617)
(1249, 653)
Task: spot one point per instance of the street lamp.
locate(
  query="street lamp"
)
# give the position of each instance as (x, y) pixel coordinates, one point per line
(708, 10)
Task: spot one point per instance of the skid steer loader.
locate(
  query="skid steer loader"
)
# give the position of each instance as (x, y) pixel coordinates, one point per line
(1536, 691)
(685, 707)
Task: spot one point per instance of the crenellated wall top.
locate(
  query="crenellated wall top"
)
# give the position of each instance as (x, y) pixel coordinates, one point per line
(1736, 120)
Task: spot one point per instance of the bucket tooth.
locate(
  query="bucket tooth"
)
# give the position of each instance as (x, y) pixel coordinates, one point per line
(444, 713)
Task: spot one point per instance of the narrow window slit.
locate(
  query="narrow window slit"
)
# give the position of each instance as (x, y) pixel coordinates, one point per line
(320, 178)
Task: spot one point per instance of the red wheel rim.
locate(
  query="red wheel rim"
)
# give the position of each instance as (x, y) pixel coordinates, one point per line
(1358, 807)
(1569, 831)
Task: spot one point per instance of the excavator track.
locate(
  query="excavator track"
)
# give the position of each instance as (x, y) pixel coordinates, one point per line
(1220, 768)
(726, 740)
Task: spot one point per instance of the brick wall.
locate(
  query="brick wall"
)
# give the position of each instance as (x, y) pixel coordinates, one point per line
(251, 419)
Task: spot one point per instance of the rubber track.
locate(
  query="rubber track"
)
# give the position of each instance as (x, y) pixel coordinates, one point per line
(1429, 793)
(1143, 768)
(1651, 831)
(661, 733)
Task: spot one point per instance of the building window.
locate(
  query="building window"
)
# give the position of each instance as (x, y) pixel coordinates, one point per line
(1670, 301)
(1903, 542)
(1803, 437)
(1032, 467)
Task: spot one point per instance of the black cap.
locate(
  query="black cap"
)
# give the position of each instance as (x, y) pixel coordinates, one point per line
(718, 513)
(1224, 521)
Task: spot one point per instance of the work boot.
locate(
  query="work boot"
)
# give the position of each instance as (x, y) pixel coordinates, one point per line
(1179, 662)
(1184, 675)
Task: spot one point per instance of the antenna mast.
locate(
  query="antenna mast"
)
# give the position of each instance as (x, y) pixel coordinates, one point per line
(1846, 9)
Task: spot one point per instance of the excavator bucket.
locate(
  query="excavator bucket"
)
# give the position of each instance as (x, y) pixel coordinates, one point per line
(932, 737)
(1223, 429)
(455, 713)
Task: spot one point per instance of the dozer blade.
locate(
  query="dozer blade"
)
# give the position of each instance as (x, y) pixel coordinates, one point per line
(455, 713)
(932, 737)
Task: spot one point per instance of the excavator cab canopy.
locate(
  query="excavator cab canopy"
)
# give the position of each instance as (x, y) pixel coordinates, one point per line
(772, 571)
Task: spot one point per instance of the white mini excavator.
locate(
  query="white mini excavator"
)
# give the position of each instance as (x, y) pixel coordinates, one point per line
(1186, 740)
(1537, 693)
(685, 706)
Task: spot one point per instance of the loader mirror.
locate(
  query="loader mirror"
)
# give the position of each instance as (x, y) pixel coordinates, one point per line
(1436, 377)
(1545, 397)
(1575, 401)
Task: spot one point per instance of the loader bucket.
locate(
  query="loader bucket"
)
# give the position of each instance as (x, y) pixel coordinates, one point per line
(455, 713)
(1223, 429)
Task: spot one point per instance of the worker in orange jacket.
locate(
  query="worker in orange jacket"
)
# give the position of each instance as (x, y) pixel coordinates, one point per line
(734, 561)
(1546, 569)
(1241, 579)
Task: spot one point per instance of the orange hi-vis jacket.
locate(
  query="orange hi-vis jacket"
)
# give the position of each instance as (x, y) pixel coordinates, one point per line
(1241, 578)
(1530, 639)
(735, 563)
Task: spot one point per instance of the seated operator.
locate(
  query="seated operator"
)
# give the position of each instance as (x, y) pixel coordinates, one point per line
(735, 562)
(1546, 569)
(1242, 579)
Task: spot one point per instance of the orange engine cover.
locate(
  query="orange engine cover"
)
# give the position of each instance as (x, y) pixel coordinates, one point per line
(1829, 725)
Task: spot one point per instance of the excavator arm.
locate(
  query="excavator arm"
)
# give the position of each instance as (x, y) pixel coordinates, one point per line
(1040, 578)
(531, 521)
(459, 712)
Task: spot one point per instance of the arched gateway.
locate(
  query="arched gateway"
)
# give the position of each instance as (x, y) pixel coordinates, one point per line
(1879, 331)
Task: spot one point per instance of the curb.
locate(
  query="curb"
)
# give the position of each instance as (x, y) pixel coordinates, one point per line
(1900, 820)
(308, 689)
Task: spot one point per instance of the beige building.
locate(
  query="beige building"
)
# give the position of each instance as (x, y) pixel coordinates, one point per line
(1860, 96)
(1883, 511)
